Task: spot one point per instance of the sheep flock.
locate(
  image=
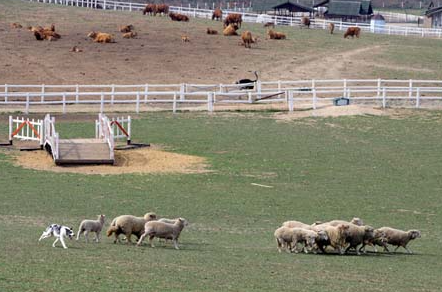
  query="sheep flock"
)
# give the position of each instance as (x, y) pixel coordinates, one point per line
(340, 236)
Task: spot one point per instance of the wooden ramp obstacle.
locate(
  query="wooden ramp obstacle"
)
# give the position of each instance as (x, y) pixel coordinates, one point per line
(98, 150)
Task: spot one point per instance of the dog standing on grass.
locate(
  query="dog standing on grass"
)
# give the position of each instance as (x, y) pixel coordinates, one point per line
(58, 231)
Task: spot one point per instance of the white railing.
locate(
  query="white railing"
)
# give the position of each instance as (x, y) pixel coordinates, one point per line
(105, 132)
(210, 95)
(51, 137)
(259, 18)
(399, 17)
(26, 129)
(120, 128)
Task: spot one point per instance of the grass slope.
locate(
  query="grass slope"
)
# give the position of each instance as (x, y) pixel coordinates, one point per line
(387, 171)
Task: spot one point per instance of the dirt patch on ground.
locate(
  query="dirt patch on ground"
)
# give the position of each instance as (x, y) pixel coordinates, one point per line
(144, 160)
(332, 111)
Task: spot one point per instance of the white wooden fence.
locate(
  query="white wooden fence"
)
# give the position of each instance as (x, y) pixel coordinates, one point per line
(26, 129)
(105, 132)
(120, 128)
(399, 17)
(258, 18)
(291, 93)
(51, 136)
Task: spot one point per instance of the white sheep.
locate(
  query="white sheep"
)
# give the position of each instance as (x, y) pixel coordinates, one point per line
(163, 230)
(296, 224)
(87, 226)
(288, 238)
(398, 237)
(128, 225)
(378, 239)
(355, 221)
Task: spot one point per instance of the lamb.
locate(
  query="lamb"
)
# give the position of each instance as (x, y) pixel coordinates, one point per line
(130, 35)
(274, 35)
(87, 226)
(163, 230)
(399, 238)
(288, 238)
(101, 37)
(230, 30)
(336, 236)
(128, 225)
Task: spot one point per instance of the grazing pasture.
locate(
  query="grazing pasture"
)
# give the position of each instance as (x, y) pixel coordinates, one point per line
(385, 170)
(157, 55)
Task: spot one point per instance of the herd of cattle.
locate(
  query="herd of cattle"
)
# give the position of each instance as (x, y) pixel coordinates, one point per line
(231, 23)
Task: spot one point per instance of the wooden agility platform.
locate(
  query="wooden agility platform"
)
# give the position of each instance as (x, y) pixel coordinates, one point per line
(83, 151)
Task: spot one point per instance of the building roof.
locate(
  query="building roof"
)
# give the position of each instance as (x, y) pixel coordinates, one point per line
(433, 9)
(293, 7)
(349, 7)
(378, 17)
(266, 5)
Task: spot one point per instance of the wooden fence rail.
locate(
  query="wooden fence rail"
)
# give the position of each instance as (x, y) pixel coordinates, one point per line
(286, 92)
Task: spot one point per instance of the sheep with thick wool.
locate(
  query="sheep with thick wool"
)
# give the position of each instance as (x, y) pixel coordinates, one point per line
(128, 225)
(358, 235)
(288, 238)
(87, 226)
(297, 224)
(163, 230)
(399, 237)
(336, 236)
(378, 239)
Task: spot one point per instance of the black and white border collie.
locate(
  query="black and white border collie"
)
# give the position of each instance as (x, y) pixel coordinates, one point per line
(58, 231)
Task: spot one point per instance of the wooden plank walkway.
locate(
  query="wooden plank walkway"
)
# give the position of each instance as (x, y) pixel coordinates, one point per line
(83, 151)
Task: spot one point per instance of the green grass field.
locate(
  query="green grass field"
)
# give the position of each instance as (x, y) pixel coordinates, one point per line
(384, 170)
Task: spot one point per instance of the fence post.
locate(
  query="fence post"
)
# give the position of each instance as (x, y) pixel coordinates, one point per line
(104, 4)
(129, 126)
(249, 99)
(77, 90)
(174, 103)
(6, 92)
(340, 24)
(182, 91)
(137, 109)
(42, 93)
(314, 98)
(27, 103)
(384, 96)
(64, 103)
(210, 102)
(10, 130)
(410, 89)
(348, 93)
(112, 94)
(146, 89)
(258, 87)
(101, 103)
(130, 6)
(291, 101)
(379, 88)
(418, 97)
(345, 88)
